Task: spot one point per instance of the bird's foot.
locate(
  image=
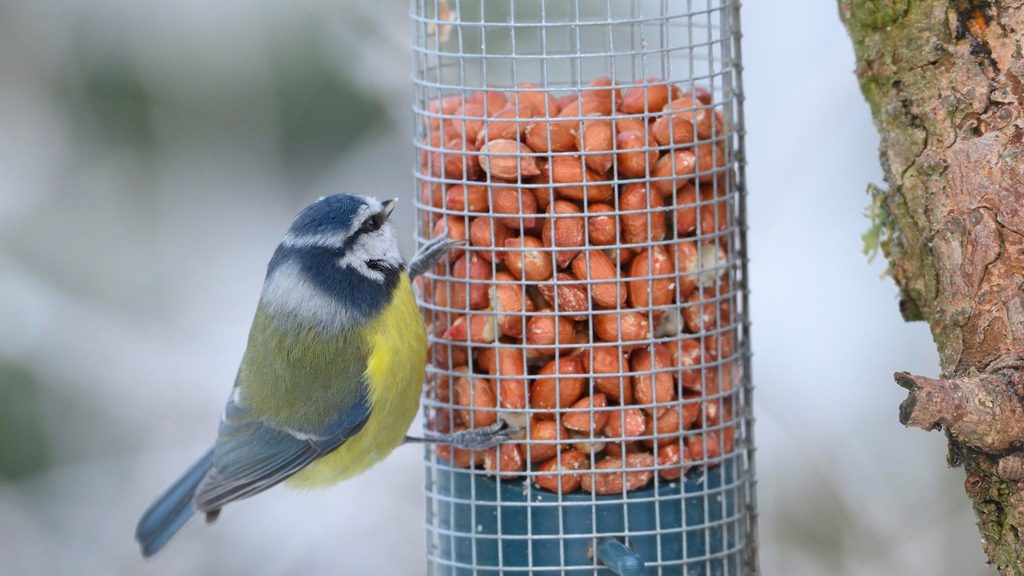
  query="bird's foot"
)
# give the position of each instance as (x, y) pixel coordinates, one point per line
(475, 439)
(431, 253)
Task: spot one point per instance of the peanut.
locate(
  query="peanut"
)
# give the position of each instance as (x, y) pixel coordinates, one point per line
(574, 183)
(471, 292)
(670, 460)
(596, 143)
(704, 447)
(647, 289)
(686, 355)
(601, 227)
(506, 298)
(720, 346)
(518, 206)
(623, 124)
(561, 386)
(694, 112)
(445, 105)
(587, 106)
(671, 421)
(703, 95)
(564, 230)
(504, 461)
(489, 233)
(456, 227)
(608, 360)
(686, 210)
(571, 296)
(468, 127)
(620, 447)
(507, 124)
(474, 328)
(432, 194)
(626, 326)
(583, 418)
(685, 254)
(674, 129)
(705, 315)
(543, 104)
(542, 435)
(526, 259)
(560, 478)
(595, 266)
(625, 423)
(649, 97)
(562, 136)
(507, 367)
(648, 223)
(709, 157)
(653, 382)
(603, 87)
(507, 160)
(714, 217)
(635, 154)
(456, 160)
(611, 481)
(673, 170)
(477, 398)
(466, 198)
(548, 333)
(446, 356)
(494, 100)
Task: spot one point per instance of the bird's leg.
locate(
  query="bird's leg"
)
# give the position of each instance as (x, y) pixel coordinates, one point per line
(430, 254)
(475, 439)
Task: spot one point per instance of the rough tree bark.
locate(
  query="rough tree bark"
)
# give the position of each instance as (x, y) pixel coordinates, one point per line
(944, 82)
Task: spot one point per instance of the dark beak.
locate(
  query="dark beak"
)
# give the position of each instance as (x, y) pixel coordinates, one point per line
(388, 207)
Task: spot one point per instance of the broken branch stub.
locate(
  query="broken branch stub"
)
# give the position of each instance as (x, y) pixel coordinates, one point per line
(983, 411)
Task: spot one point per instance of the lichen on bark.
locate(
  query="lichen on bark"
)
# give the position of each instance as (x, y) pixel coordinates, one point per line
(943, 79)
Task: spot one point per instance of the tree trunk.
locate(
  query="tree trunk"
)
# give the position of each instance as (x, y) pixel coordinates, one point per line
(944, 82)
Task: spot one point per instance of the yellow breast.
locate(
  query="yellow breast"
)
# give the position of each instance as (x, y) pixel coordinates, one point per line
(395, 371)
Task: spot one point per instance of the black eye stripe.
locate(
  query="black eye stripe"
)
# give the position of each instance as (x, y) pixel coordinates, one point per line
(373, 223)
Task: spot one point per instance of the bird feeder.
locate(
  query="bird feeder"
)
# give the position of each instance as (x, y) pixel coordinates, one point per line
(590, 157)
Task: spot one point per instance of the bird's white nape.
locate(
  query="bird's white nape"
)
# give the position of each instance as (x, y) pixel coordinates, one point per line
(289, 295)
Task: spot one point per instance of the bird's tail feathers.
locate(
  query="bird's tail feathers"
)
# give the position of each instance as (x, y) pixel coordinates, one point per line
(171, 510)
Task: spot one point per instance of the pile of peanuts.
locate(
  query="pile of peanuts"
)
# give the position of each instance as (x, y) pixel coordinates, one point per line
(590, 301)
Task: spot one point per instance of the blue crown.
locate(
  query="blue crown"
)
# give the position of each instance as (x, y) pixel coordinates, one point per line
(329, 215)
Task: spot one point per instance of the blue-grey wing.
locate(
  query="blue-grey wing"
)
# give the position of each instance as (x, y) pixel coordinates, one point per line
(252, 455)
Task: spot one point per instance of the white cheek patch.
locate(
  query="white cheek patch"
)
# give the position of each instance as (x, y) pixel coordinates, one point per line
(380, 245)
(288, 294)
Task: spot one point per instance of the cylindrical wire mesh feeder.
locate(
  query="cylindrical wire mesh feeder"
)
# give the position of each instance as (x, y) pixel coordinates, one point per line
(590, 155)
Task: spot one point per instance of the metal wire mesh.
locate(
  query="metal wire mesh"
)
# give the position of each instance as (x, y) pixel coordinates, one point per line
(590, 153)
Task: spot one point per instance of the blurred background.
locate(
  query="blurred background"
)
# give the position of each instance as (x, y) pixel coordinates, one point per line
(153, 153)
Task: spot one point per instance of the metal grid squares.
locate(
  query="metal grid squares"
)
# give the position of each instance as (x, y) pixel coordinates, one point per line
(590, 153)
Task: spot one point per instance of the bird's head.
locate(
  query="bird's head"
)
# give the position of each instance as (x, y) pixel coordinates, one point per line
(339, 260)
(354, 230)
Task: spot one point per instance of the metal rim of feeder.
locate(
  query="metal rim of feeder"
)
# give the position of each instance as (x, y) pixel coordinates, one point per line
(479, 523)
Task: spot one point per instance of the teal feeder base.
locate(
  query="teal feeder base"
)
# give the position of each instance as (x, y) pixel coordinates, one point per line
(484, 527)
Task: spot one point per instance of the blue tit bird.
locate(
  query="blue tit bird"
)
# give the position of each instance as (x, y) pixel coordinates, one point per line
(332, 372)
